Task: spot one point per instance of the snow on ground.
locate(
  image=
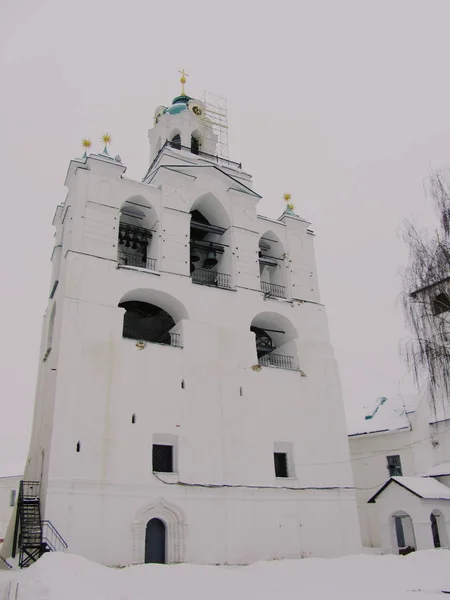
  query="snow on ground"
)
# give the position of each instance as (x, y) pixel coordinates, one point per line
(60, 576)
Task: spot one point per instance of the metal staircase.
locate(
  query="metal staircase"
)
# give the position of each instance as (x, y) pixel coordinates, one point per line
(32, 536)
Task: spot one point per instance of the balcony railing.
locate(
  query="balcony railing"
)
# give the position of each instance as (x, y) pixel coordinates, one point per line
(272, 289)
(212, 157)
(166, 338)
(280, 361)
(212, 278)
(130, 259)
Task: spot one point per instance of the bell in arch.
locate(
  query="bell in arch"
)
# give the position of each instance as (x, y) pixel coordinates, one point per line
(210, 260)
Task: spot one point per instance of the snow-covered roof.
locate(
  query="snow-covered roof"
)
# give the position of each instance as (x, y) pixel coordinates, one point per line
(438, 470)
(383, 415)
(423, 487)
(441, 412)
(12, 468)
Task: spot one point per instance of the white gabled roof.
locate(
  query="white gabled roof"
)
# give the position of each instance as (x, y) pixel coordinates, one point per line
(424, 487)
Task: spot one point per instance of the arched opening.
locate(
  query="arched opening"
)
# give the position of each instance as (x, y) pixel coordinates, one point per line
(272, 270)
(195, 143)
(152, 316)
(210, 260)
(155, 542)
(441, 304)
(438, 529)
(146, 322)
(175, 141)
(275, 341)
(137, 230)
(403, 530)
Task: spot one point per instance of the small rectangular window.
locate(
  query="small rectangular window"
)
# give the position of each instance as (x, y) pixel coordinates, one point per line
(12, 497)
(281, 464)
(394, 466)
(162, 458)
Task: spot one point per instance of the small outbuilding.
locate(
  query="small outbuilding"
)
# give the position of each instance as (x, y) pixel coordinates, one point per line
(414, 514)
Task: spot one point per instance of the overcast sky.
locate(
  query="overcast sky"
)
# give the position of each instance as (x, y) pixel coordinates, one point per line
(344, 104)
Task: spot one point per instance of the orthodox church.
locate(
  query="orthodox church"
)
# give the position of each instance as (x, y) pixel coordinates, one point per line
(188, 403)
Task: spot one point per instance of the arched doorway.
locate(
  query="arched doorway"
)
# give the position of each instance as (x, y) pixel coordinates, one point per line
(438, 529)
(404, 532)
(155, 542)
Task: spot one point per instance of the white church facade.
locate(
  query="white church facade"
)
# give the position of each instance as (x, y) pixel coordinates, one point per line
(188, 403)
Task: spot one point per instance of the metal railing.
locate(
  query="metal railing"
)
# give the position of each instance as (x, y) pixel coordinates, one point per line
(52, 537)
(280, 361)
(136, 260)
(166, 338)
(273, 289)
(212, 157)
(29, 490)
(212, 278)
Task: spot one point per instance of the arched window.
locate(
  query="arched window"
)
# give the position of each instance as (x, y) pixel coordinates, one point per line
(210, 259)
(175, 142)
(272, 270)
(137, 226)
(441, 304)
(275, 341)
(438, 529)
(149, 323)
(403, 532)
(195, 144)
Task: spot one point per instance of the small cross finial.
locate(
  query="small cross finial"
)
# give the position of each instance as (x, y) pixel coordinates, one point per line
(183, 80)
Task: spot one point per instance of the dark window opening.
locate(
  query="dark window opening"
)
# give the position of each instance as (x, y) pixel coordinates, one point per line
(162, 458)
(399, 531)
(78, 446)
(394, 466)
(264, 343)
(12, 497)
(133, 418)
(206, 250)
(148, 323)
(176, 142)
(241, 391)
(441, 304)
(134, 244)
(435, 531)
(195, 145)
(182, 384)
(281, 465)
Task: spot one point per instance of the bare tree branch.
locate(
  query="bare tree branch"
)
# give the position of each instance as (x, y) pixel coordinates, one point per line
(426, 297)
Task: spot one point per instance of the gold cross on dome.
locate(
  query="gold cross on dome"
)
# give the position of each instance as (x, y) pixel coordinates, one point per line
(183, 80)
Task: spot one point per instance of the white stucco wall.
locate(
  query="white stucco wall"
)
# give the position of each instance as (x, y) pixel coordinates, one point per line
(224, 505)
(395, 498)
(369, 464)
(7, 485)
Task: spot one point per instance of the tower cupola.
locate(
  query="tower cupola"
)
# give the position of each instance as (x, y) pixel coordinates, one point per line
(184, 125)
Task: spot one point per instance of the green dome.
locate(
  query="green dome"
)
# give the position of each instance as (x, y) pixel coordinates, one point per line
(175, 109)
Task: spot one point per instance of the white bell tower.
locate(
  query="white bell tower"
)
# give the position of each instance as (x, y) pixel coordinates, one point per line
(188, 405)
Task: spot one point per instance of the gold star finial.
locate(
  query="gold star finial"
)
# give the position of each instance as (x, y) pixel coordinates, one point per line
(287, 198)
(106, 139)
(87, 144)
(183, 80)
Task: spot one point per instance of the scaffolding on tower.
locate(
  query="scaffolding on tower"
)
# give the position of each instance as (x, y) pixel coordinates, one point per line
(216, 113)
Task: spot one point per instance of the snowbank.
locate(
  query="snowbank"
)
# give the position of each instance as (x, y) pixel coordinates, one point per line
(67, 577)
